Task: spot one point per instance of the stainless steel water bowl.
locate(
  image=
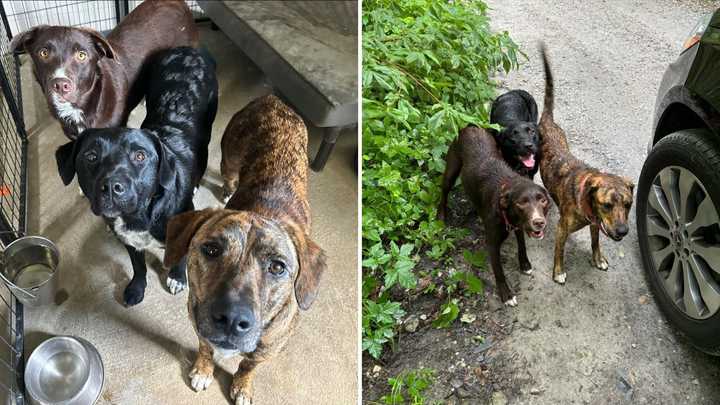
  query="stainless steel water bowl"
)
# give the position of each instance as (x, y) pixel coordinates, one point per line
(64, 370)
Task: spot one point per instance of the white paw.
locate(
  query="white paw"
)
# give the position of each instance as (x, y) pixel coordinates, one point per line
(511, 302)
(225, 200)
(200, 382)
(528, 271)
(241, 399)
(560, 278)
(175, 286)
(601, 264)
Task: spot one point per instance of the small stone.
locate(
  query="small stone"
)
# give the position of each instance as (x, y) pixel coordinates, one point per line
(468, 318)
(696, 382)
(621, 253)
(478, 339)
(423, 317)
(411, 323)
(376, 369)
(498, 398)
(535, 391)
(643, 299)
(633, 345)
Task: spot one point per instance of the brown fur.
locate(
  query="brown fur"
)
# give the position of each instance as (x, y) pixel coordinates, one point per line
(264, 155)
(583, 194)
(498, 193)
(108, 89)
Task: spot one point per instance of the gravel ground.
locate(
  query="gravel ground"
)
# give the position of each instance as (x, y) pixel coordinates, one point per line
(600, 338)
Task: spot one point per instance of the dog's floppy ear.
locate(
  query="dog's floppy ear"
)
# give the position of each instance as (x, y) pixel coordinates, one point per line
(166, 165)
(179, 232)
(629, 183)
(21, 41)
(65, 157)
(504, 197)
(311, 259)
(102, 46)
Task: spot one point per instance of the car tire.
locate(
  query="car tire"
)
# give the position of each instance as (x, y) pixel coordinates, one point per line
(696, 151)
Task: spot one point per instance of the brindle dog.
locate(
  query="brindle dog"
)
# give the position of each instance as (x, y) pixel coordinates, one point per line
(584, 195)
(506, 200)
(252, 264)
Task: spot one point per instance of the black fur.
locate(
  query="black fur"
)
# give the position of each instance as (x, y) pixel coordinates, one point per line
(516, 111)
(144, 193)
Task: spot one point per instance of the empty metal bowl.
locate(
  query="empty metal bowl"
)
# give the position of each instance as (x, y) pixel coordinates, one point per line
(64, 370)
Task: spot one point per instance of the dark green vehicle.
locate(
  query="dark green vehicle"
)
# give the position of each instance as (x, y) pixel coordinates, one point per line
(678, 199)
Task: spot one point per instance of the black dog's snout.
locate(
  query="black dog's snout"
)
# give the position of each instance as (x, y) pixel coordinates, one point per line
(61, 86)
(622, 230)
(235, 319)
(529, 145)
(117, 187)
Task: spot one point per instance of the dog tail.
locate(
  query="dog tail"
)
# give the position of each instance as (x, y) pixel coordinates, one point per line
(549, 84)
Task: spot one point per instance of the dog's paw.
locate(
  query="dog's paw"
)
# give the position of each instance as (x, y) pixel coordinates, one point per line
(600, 262)
(512, 302)
(240, 395)
(175, 286)
(133, 294)
(200, 381)
(560, 278)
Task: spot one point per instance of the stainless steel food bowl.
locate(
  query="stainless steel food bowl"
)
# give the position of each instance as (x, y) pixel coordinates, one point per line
(64, 370)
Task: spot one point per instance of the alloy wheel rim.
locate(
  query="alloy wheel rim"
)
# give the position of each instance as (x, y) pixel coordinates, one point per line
(683, 230)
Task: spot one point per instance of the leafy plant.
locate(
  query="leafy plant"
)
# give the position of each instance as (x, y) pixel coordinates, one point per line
(408, 387)
(379, 321)
(448, 313)
(426, 73)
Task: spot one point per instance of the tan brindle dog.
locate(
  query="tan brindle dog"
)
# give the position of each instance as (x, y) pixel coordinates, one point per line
(251, 265)
(583, 194)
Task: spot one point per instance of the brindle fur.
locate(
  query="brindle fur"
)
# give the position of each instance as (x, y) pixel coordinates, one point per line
(264, 161)
(605, 198)
(494, 188)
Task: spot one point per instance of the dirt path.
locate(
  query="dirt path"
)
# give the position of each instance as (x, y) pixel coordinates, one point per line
(596, 343)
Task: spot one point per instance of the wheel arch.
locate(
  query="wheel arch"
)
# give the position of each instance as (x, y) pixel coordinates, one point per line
(683, 110)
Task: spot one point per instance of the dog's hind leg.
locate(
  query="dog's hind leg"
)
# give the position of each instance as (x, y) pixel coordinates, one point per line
(201, 375)
(453, 165)
(241, 388)
(525, 265)
(177, 277)
(135, 290)
(598, 260)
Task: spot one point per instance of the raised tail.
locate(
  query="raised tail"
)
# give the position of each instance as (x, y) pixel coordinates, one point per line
(549, 103)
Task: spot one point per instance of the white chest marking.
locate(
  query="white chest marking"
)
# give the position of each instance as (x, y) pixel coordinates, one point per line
(69, 113)
(140, 240)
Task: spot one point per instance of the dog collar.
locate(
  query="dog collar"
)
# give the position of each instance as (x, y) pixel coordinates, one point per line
(584, 206)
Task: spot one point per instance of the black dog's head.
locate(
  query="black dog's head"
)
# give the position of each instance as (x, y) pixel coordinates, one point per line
(519, 142)
(119, 169)
(65, 59)
(526, 205)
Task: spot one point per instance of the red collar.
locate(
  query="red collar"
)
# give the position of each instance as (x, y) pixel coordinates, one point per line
(582, 202)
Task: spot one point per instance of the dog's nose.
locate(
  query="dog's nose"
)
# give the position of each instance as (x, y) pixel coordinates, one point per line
(235, 320)
(622, 230)
(538, 223)
(62, 86)
(116, 186)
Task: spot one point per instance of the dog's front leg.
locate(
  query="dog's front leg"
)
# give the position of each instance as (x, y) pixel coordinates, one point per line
(135, 290)
(563, 230)
(525, 265)
(201, 375)
(241, 388)
(177, 277)
(506, 295)
(598, 259)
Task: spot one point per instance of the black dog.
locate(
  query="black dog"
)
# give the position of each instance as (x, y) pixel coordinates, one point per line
(136, 179)
(505, 200)
(516, 111)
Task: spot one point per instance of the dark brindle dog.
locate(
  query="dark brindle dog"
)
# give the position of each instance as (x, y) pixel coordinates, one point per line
(93, 82)
(516, 111)
(584, 195)
(505, 200)
(137, 181)
(252, 264)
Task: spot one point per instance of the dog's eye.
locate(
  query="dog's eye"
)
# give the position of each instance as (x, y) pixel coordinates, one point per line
(277, 268)
(81, 55)
(139, 156)
(608, 206)
(44, 53)
(211, 249)
(91, 156)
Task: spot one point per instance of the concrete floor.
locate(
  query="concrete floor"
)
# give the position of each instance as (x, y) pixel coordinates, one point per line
(148, 349)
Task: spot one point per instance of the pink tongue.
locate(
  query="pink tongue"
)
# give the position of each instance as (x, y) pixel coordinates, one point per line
(529, 161)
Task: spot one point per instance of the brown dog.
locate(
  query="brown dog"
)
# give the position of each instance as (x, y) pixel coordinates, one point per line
(252, 264)
(506, 200)
(93, 82)
(584, 195)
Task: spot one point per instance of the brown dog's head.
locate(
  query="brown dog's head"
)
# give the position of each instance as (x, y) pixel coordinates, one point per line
(610, 198)
(245, 272)
(65, 60)
(526, 206)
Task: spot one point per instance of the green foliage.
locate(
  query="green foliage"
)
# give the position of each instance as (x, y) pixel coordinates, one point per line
(476, 259)
(379, 321)
(471, 283)
(426, 74)
(448, 313)
(408, 387)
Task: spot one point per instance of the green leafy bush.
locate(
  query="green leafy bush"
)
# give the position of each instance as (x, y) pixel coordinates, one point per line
(408, 387)
(426, 74)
